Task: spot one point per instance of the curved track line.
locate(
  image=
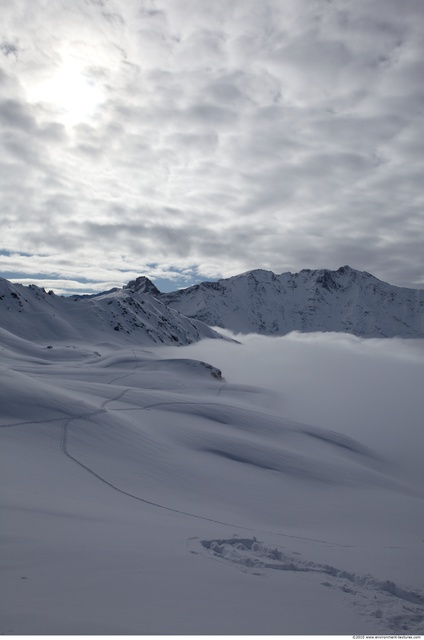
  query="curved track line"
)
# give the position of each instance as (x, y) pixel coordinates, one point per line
(102, 409)
(64, 448)
(65, 451)
(23, 424)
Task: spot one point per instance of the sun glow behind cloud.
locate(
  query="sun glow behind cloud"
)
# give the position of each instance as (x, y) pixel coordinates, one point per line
(71, 91)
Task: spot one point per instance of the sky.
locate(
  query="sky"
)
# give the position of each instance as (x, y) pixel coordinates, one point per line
(189, 140)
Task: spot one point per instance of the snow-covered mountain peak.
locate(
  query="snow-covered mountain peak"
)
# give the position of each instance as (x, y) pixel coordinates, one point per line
(120, 315)
(257, 274)
(345, 300)
(142, 284)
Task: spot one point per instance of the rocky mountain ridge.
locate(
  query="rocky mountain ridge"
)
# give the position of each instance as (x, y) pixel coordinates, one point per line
(129, 315)
(345, 300)
(258, 301)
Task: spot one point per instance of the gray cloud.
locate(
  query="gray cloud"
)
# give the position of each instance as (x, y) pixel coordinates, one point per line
(13, 114)
(216, 137)
(8, 49)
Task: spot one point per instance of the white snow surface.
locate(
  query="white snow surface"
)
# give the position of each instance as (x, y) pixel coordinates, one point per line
(345, 300)
(144, 493)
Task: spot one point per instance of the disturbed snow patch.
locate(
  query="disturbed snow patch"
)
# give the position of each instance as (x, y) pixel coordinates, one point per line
(398, 608)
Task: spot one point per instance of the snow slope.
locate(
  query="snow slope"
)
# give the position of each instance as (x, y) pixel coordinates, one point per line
(132, 312)
(344, 300)
(142, 493)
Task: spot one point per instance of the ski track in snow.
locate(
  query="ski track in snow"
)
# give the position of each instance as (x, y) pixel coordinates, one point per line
(399, 610)
(65, 451)
(64, 448)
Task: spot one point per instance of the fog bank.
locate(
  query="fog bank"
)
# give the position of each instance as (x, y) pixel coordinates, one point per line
(370, 389)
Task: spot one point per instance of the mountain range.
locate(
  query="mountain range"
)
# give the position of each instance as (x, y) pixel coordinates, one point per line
(257, 301)
(129, 315)
(345, 300)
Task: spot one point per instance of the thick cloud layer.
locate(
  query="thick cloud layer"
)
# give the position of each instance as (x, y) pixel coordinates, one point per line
(368, 389)
(187, 139)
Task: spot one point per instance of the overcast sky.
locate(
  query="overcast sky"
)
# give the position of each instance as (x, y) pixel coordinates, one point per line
(194, 139)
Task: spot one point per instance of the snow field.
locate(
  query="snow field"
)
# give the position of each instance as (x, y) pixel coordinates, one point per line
(143, 493)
